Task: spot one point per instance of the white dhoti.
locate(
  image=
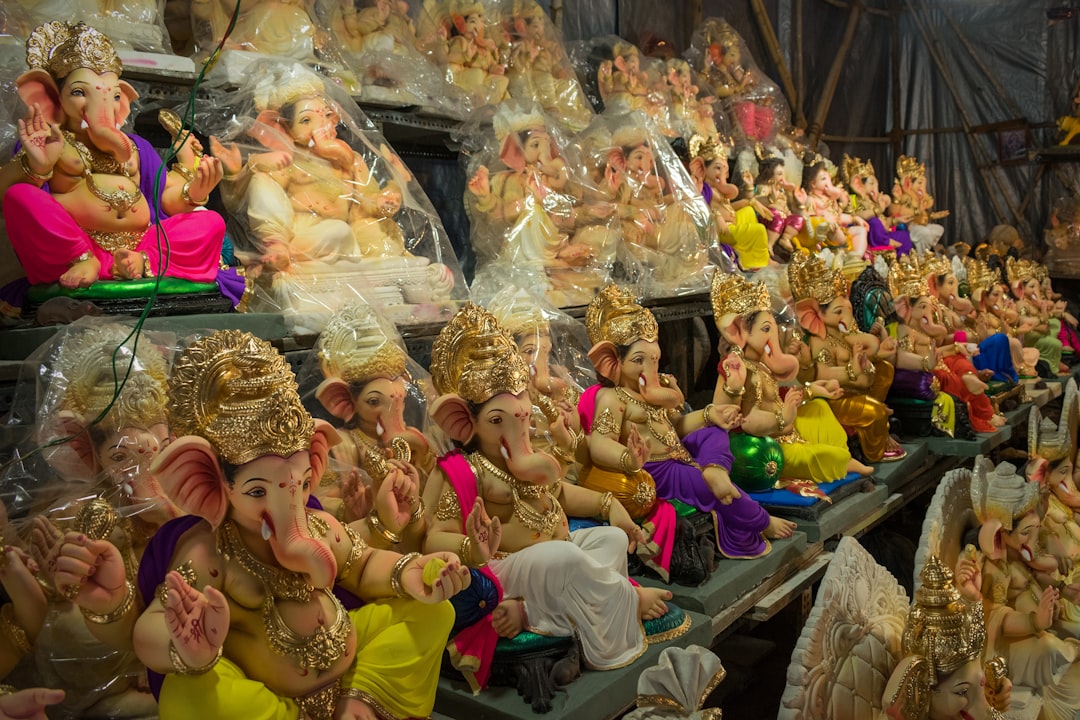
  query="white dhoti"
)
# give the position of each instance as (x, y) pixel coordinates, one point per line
(579, 588)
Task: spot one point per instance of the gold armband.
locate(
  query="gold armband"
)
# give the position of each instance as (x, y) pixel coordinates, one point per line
(605, 506)
(355, 552)
(377, 527)
(24, 163)
(115, 615)
(185, 193)
(626, 463)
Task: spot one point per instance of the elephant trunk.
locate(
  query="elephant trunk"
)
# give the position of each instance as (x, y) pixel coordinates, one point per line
(296, 550)
(782, 365)
(106, 136)
(527, 465)
(545, 382)
(655, 393)
(335, 150)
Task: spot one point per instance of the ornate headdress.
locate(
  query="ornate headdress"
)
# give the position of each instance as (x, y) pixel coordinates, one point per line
(731, 293)
(238, 393)
(707, 148)
(475, 358)
(909, 167)
(855, 167)
(614, 315)
(515, 118)
(85, 360)
(907, 278)
(763, 153)
(60, 48)
(941, 627)
(809, 277)
(980, 277)
(999, 493)
(355, 347)
(935, 265)
(519, 314)
(1019, 271)
(1051, 441)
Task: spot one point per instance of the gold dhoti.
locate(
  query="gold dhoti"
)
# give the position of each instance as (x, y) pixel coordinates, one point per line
(636, 492)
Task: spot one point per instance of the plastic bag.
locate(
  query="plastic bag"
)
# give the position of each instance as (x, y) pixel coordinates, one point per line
(323, 206)
(137, 25)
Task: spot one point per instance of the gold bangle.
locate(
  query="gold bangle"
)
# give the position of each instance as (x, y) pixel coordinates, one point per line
(13, 631)
(851, 374)
(465, 551)
(184, 193)
(395, 574)
(182, 668)
(118, 613)
(732, 393)
(417, 514)
(147, 271)
(605, 506)
(808, 390)
(24, 163)
(780, 422)
(706, 421)
(81, 258)
(376, 526)
(926, 363)
(626, 463)
(357, 550)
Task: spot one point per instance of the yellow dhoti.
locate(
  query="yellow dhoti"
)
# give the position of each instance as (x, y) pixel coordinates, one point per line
(820, 454)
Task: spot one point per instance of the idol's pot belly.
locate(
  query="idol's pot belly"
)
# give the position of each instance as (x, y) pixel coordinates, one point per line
(92, 213)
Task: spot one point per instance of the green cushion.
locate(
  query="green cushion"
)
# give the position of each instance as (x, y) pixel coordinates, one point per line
(759, 461)
(682, 509)
(527, 642)
(120, 289)
(996, 387)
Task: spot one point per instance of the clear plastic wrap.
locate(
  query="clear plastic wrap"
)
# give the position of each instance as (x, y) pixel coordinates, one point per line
(284, 30)
(96, 483)
(536, 218)
(325, 207)
(754, 104)
(360, 378)
(466, 39)
(378, 39)
(669, 238)
(1062, 236)
(137, 25)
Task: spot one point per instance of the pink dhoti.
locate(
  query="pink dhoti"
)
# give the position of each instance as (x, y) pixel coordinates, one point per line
(46, 239)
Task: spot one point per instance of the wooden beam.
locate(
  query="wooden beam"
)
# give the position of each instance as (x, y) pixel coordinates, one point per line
(834, 74)
(872, 11)
(773, 44)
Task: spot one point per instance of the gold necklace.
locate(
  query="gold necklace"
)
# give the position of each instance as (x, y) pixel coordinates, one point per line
(279, 583)
(540, 521)
(669, 438)
(120, 200)
(317, 651)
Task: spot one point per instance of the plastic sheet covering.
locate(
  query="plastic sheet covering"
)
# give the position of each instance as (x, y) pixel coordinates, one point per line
(378, 39)
(555, 347)
(327, 207)
(536, 218)
(1062, 237)
(130, 24)
(669, 239)
(97, 483)
(589, 18)
(267, 30)
(360, 378)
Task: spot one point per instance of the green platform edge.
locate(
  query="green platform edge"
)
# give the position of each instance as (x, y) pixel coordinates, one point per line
(117, 290)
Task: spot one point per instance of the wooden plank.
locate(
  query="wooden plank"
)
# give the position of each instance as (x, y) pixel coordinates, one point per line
(772, 603)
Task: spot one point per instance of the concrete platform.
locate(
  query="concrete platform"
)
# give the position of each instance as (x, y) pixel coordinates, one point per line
(895, 475)
(837, 518)
(981, 445)
(734, 578)
(595, 695)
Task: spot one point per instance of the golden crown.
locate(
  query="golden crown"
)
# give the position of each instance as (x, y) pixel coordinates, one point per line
(980, 277)
(60, 48)
(732, 294)
(614, 315)
(934, 265)
(1051, 441)
(519, 314)
(809, 277)
(475, 358)
(86, 361)
(707, 148)
(1020, 270)
(356, 347)
(238, 393)
(941, 627)
(999, 493)
(855, 167)
(762, 153)
(907, 278)
(909, 167)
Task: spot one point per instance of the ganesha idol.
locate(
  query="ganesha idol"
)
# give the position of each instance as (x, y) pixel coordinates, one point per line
(829, 225)
(455, 34)
(842, 353)
(530, 217)
(1039, 326)
(912, 204)
(813, 443)
(872, 205)
(79, 197)
(323, 219)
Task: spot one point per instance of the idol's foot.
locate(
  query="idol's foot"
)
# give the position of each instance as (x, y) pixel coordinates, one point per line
(127, 265)
(779, 528)
(997, 420)
(82, 274)
(509, 618)
(854, 466)
(651, 603)
(893, 451)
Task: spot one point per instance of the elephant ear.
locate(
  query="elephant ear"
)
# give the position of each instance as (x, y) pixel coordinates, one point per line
(902, 305)
(697, 171)
(128, 95)
(37, 87)
(990, 539)
(733, 329)
(325, 437)
(451, 413)
(512, 153)
(605, 358)
(808, 312)
(191, 476)
(76, 458)
(1037, 469)
(334, 395)
(268, 129)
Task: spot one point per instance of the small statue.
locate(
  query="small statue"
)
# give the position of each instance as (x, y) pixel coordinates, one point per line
(692, 110)
(473, 59)
(1069, 125)
(781, 202)
(750, 377)
(828, 223)
(622, 83)
(78, 198)
(245, 463)
(947, 670)
(843, 353)
(912, 205)
(736, 218)
(553, 581)
(989, 296)
(1037, 325)
(872, 205)
(642, 444)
